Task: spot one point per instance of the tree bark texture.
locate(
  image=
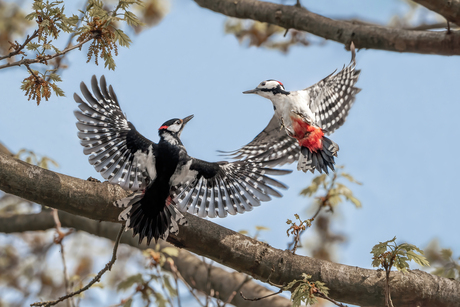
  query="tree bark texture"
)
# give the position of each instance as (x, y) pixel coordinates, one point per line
(194, 271)
(345, 32)
(449, 9)
(348, 284)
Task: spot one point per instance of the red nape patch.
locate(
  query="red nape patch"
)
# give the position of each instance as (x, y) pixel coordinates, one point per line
(168, 200)
(308, 136)
(163, 127)
(280, 83)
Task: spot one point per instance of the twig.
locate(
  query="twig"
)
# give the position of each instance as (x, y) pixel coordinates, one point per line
(48, 57)
(324, 296)
(260, 298)
(58, 240)
(97, 278)
(57, 65)
(232, 295)
(18, 50)
(163, 286)
(178, 275)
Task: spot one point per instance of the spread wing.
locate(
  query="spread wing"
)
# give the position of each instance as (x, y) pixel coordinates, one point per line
(121, 154)
(332, 97)
(272, 146)
(215, 189)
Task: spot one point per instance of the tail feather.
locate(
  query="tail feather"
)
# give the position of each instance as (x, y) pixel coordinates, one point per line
(146, 225)
(320, 160)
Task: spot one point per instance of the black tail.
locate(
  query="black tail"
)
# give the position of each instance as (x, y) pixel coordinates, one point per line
(157, 224)
(319, 160)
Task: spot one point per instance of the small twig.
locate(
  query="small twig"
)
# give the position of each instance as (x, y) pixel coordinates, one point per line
(57, 65)
(260, 298)
(324, 296)
(19, 49)
(48, 57)
(178, 275)
(58, 240)
(232, 295)
(448, 27)
(97, 278)
(163, 286)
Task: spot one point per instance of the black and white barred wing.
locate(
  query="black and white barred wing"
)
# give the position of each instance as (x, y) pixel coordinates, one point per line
(272, 146)
(216, 189)
(121, 154)
(332, 97)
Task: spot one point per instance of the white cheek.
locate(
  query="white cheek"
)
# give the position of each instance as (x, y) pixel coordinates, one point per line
(174, 128)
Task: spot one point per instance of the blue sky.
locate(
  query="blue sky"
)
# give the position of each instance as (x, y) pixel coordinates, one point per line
(400, 138)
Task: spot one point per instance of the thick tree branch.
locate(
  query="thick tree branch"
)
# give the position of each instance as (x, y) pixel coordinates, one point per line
(348, 284)
(362, 35)
(194, 271)
(449, 9)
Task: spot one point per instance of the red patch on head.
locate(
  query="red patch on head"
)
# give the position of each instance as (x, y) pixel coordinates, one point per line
(308, 136)
(163, 127)
(280, 83)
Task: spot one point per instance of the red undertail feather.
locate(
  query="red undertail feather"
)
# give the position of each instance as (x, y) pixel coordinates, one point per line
(308, 136)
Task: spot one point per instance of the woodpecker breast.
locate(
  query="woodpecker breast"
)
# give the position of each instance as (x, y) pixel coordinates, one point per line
(307, 135)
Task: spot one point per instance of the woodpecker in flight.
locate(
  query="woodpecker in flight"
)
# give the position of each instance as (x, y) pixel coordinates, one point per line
(301, 121)
(162, 175)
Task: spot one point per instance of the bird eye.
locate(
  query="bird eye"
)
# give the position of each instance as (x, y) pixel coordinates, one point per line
(262, 84)
(177, 122)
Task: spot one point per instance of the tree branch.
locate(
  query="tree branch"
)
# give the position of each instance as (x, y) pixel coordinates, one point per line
(449, 9)
(45, 58)
(348, 284)
(192, 269)
(362, 35)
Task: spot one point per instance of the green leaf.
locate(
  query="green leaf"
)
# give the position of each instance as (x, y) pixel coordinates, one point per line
(128, 303)
(446, 253)
(55, 77)
(109, 62)
(122, 38)
(31, 16)
(262, 228)
(350, 178)
(57, 90)
(132, 19)
(160, 300)
(355, 201)
(171, 251)
(130, 281)
(419, 259)
(33, 46)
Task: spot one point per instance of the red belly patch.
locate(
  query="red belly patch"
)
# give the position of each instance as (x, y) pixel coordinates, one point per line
(308, 136)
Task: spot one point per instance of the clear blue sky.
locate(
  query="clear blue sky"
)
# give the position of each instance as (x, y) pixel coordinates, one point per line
(400, 139)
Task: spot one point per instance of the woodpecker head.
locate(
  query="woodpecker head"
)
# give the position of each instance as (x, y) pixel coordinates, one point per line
(268, 89)
(173, 127)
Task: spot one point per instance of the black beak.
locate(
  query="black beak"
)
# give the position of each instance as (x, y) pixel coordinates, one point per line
(187, 119)
(254, 91)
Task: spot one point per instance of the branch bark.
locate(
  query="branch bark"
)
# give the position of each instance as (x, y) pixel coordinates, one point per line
(348, 284)
(194, 271)
(449, 9)
(362, 35)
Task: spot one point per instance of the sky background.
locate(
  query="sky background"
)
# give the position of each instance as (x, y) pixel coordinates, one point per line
(400, 139)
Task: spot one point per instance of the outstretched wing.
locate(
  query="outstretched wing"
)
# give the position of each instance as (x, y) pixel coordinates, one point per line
(332, 97)
(215, 189)
(121, 154)
(272, 146)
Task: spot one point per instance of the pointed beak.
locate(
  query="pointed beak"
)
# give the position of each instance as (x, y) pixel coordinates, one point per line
(254, 91)
(187, 119)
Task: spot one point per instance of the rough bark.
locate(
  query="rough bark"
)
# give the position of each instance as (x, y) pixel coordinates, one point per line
(348, 284)
(449, 9)
(194, 271)
(362, 35)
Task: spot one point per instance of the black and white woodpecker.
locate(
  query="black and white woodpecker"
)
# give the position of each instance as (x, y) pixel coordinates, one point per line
(301, 119)
(164, 178)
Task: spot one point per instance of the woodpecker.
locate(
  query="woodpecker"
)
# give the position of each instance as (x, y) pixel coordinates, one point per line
(165, 179)
(306, 116)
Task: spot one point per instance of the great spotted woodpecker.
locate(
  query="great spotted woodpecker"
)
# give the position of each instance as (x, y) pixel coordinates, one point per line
(164, 178)
(301, 119)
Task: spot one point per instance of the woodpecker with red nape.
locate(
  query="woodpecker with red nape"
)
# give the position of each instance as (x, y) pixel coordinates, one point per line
(164, 178)
(301, 121)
